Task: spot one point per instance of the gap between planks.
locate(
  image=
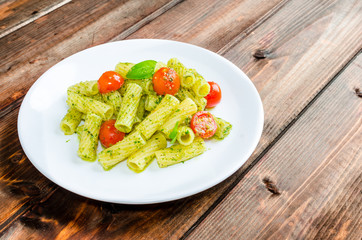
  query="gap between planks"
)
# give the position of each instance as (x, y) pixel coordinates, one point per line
(33, 18)
(260, 156)
(143, 22)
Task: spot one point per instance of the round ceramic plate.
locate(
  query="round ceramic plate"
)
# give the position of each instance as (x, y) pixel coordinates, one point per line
(55, 154)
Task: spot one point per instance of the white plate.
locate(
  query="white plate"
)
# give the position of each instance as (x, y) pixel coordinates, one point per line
(55, 155)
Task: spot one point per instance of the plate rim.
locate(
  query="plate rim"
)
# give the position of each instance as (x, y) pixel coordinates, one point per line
(211, 183)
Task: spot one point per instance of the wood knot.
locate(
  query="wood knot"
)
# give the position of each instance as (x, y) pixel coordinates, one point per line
(17, 157)
(25, 188)
(35, 12)
(358, 92)
(270, 186)
(261, 54)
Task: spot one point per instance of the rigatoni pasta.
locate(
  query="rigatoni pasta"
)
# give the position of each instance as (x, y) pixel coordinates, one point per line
(127, 113)
(145, 116)
(139, 160)
(180, 153)
(89, 137)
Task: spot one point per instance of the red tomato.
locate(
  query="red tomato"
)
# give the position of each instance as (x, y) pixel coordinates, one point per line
(214, 96)
(203, 124)
(166, 81)
(110, 81)
(109, 134)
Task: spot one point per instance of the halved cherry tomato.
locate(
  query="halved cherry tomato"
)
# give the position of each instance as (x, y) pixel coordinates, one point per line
(203, 124)
(214, 96)
(166, 81)
(110, 81)
(109, 134)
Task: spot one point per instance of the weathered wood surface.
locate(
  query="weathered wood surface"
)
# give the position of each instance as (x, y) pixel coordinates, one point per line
(317, 169)
(297, 51)
(16, 14)
(11, 148)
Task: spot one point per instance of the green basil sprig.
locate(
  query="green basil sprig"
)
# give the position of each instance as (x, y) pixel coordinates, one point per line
(142, 70)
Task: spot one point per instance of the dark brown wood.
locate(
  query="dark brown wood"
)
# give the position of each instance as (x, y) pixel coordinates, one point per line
(16, 14)
(43, 51)
(10, 118)
(317, 166)
(30, 51)
(306, 44)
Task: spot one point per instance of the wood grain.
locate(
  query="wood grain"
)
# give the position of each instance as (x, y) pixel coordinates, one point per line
(295, 59)
(317, 167)
(30, 51)
(44, 49)
(16, 14)
(11, 144)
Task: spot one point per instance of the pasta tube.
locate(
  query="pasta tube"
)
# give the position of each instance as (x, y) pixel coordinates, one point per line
(201, 87)
(111, 156)
(87, 88)
(139, 160)
(180, 153)
(188, 79)
(127, 113)
(159, 65)
(113, 99)
(89, 105)
(186, 108)
(123, 68)
(71, 121)
(223, 128)
(185, 135)
(152, 101)
(158, 116)
(89, 138)
(176, 65)
(140, 111)
(185, 93)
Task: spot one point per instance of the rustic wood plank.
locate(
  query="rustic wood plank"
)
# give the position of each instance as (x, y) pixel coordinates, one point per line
(16, 14)
(44, 51)
(20, 183)
(31, 50)
(177, 217)
(9, 120)
(317, 168)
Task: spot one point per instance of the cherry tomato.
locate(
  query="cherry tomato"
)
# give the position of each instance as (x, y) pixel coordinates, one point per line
(203, 124)
(109, 134)
(214, 96)
(110, 81)
(166, 81)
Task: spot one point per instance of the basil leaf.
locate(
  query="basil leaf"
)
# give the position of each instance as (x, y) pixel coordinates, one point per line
(142, 70)
(173, 134)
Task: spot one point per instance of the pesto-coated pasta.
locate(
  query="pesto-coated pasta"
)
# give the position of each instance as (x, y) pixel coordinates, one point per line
(113, 99)
(111, 156)
(88, 105)
(185, 93)
(87, 88)
(140, 114)
(152, 101)
(123, 68)
(139, 160)
(223, 128)
(70, 121)
(186, 108)
(201, 87)
(159, 65)
(127, 113)
(176, 65)
(89, 138)
(188, 79)
(158, 116)
(180, 153)
(185, 135)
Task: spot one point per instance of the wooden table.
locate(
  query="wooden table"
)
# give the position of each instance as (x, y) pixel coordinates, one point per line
(304, 179)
